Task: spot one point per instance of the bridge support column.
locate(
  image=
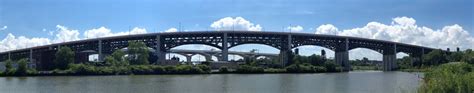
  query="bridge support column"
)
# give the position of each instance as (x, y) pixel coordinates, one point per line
(188, 59)
(285, 52)
(100, 56)
(208, 58)
(390, 59)
(342, 55)
(32, 64)
(342, 59)
(225, 50)
(284, 57)
(159, 50)
(9, 56)
(389, 62)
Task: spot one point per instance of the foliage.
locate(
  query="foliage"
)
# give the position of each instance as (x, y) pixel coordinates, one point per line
(449, 78)
(249, 69)
(305, 68)
(224, 69)
(22, 67)
(405, 62)
(204, 68)
(138, 53)
(468, 56)
(455, 57)
(9, 67)
(64, 57)
(275, 70)
(332, 67)
(116, 59)
(84, 69)
(435, 57)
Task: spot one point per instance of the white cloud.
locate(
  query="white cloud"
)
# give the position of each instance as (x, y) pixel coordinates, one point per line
(98, 32)
(238, 23)
(171, 30)
(294, 28)
(12, 42)
(327, 29)
(405, 30)
(106, 32)
(3, 28)
(65, 34)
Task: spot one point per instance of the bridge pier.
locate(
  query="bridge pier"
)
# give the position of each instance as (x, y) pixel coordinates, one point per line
(225, 50)
(159, 50)
(389, 62)
(285, 52)
(342, 59)
(342, 55)
(100, 56)
(390, 58)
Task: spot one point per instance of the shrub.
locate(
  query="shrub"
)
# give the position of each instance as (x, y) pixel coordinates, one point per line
(22, 67)
(449, 78)
(205, 68)
(171, 69)
(224, 69)
(158, 69)
(273, 70)
(332, 67)
(319, 69)
(141, 69)
(249, 69)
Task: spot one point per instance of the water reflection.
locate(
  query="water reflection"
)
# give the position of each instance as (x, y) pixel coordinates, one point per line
(354, 82)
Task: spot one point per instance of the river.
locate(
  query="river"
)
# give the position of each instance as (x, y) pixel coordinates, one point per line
(348, 82)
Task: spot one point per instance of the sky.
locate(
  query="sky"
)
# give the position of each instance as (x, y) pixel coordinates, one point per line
(433, 23)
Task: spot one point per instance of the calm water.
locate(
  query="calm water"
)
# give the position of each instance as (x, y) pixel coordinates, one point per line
(351, 82)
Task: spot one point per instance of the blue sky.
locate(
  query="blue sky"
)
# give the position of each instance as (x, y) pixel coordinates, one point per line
(29, 17)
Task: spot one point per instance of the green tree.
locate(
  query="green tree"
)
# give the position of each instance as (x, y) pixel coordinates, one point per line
(9, 67)
(22, 67)
(435, 57)
(116, 59)
(64, 57)
(455, 56)
(405, 62)
(468, 56)
(138, 53)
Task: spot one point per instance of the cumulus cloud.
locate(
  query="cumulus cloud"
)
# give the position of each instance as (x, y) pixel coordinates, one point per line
(405, 30)
(106, 32)
(3, 28)
(64, 34)
(171, 30)
(295, 28)
(237, 23)
(97, 32)
(327, 29)
(12, 42)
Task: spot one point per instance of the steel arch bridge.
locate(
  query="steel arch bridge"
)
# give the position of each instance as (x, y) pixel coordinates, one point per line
(223, 40)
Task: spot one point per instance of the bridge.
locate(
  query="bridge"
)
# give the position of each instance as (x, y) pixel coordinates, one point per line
(223, 40)
(208, 54)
